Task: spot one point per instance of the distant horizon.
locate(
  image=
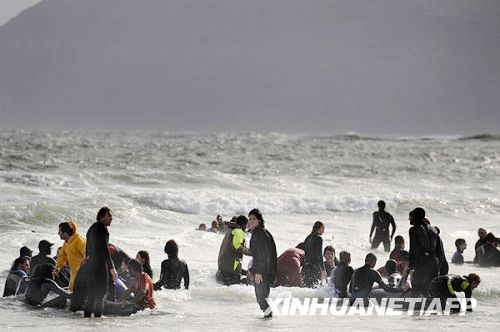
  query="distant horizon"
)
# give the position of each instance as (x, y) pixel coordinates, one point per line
(478, 135)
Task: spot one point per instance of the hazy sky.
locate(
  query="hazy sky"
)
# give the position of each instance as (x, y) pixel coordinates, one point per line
(329, 66)
(10, 8)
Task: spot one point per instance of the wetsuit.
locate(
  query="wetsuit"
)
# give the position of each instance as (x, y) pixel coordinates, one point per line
(457, 258)
(41, 284)
(380, 223)
(288, 268)
(231, 252)
(96, 268)
(341, 277)
(313, 260)
(362, 283)
(426, 256)
(148, 271)
(15, 283)
(488, 255)
(478, 244)
(173, 270)
(444, 287)
(396, 253)
(265, 259)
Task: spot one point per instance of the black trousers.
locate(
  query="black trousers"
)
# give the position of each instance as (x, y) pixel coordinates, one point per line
(262, 291)
(422, 278)
(97, 285)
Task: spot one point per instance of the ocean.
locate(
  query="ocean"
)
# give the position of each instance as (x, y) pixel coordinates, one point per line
(162, 185)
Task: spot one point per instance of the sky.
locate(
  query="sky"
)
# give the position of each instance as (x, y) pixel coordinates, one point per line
(317, 66)
(10, 8)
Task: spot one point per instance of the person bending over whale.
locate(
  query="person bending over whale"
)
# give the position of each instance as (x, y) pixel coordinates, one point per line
(363, 279)
(444, 287)
(72, 251)
(141, 287)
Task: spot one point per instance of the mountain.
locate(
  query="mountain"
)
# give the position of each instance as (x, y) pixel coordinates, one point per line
(374, 66)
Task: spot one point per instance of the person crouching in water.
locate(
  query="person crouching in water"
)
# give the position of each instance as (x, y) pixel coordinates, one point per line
(231, 253)
(288, 267)
(173, 269)
(41, 283)
(141, 287)
(444, 287)
(341, 275)
(16, 281)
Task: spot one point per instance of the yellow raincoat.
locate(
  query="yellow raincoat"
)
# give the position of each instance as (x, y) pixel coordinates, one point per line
(72, 252)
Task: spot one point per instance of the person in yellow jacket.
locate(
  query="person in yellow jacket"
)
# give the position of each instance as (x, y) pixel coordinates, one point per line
(72, 251)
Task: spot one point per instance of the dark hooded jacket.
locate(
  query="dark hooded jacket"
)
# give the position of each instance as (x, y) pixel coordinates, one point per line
(263, 250)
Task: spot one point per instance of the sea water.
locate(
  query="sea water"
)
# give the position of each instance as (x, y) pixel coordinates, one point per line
(161, 186)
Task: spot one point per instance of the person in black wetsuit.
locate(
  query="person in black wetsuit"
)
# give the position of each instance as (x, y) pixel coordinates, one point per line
(45, 248)
(41, 284)
(426, 253)
(363, 279)
(444, 287)
(342, 274)
(380, 224)
(399, 245)
(265, 259)
(487, 254)
(98, 264)
(481, 232)
(313, 269)
(173, 269)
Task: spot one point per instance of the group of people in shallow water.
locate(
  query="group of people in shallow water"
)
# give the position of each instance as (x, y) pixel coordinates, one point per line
(420, 272)
(100, 278)
(92, 274)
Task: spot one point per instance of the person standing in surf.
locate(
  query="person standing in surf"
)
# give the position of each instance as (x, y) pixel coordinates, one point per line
(380, 224)
(265, 259)
(314, 270)
(98, 264)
